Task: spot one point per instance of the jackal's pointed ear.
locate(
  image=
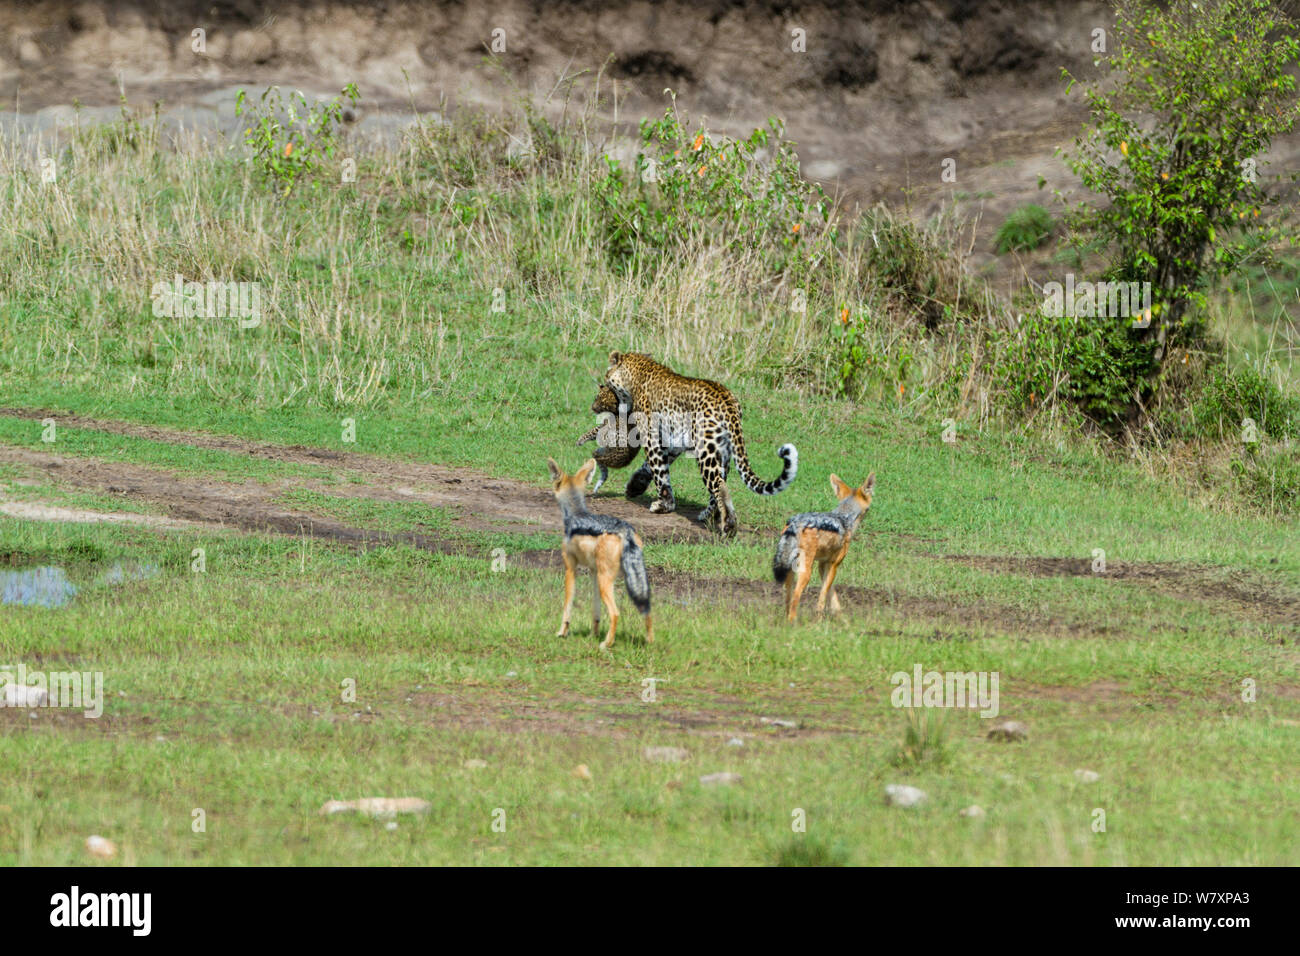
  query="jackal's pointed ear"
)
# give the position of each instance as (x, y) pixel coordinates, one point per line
(840, 488)
(556, 473)
(615, 358)
(870, 485)
(584, 473)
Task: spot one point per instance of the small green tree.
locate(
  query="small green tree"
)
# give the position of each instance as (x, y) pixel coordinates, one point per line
(1192, 96)
(290, 137)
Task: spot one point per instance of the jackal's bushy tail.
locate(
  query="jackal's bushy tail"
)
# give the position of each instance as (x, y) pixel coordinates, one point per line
(787, 552)
(638, 585)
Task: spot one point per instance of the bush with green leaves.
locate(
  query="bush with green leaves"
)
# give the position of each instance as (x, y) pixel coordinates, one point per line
(1089, 363)
(1024, 230)
(290, 137)
(742, 195)
(1233, 395)
(1191, 95)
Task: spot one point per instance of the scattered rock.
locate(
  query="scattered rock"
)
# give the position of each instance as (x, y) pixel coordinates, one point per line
(251, 46)
(666, 754)
(1009, 730)
(473, 763)
(775, 722)
(974, 810)
(390, 826)
(376, 806)
(582, 772)
(29, 54)
(1087, 776)
(720, 779)
(101, 848)
(735, 742)
(901, 795)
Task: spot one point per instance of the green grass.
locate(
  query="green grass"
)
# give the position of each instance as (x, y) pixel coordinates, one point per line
(1024, 230)
(224, 694)
(225, 687)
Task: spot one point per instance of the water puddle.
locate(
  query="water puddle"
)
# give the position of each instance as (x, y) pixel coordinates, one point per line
(51, 586)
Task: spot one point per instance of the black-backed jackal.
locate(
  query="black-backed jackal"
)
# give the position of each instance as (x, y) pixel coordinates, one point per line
(604, 545)
(822, 538)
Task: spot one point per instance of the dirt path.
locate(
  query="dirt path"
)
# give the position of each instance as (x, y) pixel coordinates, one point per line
(482, 503)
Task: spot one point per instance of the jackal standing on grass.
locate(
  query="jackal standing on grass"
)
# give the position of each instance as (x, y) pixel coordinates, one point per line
(820, 537)
(603, 544)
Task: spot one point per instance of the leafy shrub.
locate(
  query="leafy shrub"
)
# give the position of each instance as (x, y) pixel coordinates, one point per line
(1025, 229)
(744, 195)
(1233, 395)
(291, 138)
(1194, 94)
(1092, 363)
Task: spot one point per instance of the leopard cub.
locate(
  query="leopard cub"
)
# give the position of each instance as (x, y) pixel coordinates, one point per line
(607, 458)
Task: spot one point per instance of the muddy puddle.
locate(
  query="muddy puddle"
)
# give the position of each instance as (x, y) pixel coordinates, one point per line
(53, 586)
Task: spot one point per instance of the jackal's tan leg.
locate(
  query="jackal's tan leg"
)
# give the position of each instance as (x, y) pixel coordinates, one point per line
(606, 579)
(828, 583)
(595, 604)
(805, 575)
(568, 596)
(649, 630)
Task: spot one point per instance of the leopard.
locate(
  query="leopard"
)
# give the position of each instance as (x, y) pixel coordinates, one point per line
(615, 456)
(673, 415)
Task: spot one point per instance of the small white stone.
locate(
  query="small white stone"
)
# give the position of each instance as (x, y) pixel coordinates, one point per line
(666, 754)
(735, 742)
(776, 722)
(1087, 776)
(473, 763)
(974, 810)
(101, 848)
(376, 806)
(901, 795)
(720, 779)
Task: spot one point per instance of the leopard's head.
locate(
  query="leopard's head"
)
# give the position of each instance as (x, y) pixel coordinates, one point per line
(625, 369)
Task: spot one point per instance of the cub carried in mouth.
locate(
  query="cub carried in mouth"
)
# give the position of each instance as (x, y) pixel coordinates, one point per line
(616, 456)
(676, 414)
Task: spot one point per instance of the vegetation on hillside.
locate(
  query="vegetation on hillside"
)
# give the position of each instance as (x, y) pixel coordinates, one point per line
(709, 251)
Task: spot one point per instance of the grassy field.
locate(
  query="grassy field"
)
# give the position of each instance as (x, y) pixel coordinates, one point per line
(366, 621)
